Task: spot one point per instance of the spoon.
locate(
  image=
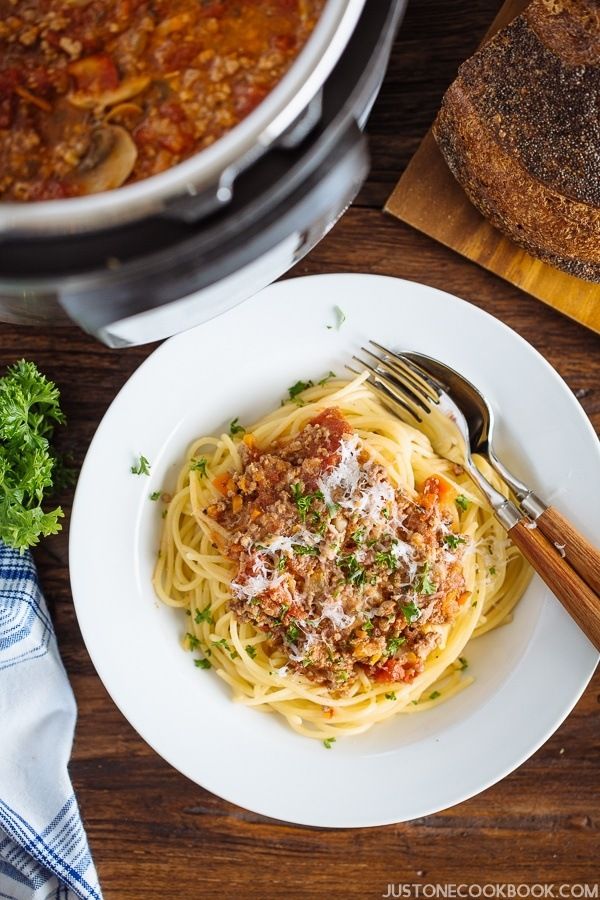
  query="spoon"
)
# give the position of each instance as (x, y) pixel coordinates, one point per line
(570, 543)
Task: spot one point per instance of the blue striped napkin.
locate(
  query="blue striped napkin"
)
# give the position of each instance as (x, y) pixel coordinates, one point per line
(44, 851)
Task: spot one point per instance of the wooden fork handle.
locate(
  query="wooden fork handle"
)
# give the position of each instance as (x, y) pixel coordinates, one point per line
(578, 551)
(576, 596)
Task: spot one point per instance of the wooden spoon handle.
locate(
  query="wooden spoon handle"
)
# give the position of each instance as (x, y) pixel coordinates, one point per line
(578, 551)
(582, 604)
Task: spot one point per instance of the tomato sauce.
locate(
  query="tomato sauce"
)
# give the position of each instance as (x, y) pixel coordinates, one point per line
(99, 93)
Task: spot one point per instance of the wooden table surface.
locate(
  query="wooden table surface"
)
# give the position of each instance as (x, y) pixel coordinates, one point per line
(153, 833)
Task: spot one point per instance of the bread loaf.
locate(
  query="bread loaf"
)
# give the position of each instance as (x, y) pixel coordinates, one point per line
(520, 130)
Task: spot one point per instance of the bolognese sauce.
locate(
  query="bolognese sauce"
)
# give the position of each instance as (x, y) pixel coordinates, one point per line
(346, 573)
(99, 93)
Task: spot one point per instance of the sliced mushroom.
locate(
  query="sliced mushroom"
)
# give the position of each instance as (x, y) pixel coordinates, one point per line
(108, 163)
(128, 88)
(125, 113)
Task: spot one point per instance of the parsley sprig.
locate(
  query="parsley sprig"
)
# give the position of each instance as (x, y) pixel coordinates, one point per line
(424, 584)
(235, 427)
(387, 559)
(198, 464)
(303, 501)
(411, 612)
(296, 389)
(453, 540)
(141, 468)
(353, 571)
(29, 412)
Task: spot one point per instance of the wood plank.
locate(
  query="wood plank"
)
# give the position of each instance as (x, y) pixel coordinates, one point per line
(429, 198)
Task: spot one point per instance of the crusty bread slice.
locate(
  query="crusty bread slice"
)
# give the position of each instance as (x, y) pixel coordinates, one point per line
(520, 130)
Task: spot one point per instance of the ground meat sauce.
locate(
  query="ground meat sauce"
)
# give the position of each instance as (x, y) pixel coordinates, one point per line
(99, 93)
(344, 572)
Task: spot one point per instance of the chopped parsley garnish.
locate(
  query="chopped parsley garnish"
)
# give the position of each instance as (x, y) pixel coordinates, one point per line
(250, 650)
(235, 427)
(464, 664)
(434, 695)
(368, 626)
(193, 642)
(223, 643)
(462, 502)
(386, 559)
(281, 564)
(203, 664)
(327, 378)
(358, 536)
(292, 632)
(303, 501)
(203, 615)
(155, 495)
(393, 644)
(340, 318)
(391, 695)
(199, 465)
(492, 570)
(164, 514)
(301, 550)
(424, 584)
(328, 743)
(141, 468)
(342, 676)
(297, 389)
(453, 540)
(351, 568)
(410, 611)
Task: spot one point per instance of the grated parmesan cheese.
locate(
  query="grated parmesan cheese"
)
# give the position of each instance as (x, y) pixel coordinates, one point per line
(344, 477)
(334, 611)
(404, 554)
(261, 580)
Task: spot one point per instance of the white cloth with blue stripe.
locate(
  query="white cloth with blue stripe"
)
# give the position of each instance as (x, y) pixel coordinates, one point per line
(44, 851)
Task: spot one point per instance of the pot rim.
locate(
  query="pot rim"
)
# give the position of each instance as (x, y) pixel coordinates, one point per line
(216, 164)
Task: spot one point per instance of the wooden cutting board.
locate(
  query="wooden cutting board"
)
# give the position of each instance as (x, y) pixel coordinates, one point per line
(431, 200)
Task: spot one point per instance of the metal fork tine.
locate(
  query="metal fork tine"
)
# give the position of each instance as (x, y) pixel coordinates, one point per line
(416, 369)
(420, 370)
(405, 373)
(397, 373)
(393, 382)
(391, 390)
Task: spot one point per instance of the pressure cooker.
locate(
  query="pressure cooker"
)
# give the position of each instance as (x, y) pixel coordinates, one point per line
(153, 258)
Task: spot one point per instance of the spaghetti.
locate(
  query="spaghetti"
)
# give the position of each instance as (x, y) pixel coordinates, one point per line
(331, 565)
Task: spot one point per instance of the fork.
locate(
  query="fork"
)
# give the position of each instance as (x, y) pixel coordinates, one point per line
(578, 551)
(413, 394)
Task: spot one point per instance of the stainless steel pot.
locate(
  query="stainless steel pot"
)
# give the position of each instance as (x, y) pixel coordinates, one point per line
(153, 258)
(284, 115)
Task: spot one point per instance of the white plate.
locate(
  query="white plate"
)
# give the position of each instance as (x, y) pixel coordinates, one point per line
(529, 674)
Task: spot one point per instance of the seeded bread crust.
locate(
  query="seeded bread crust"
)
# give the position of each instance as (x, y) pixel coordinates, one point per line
(520, 131)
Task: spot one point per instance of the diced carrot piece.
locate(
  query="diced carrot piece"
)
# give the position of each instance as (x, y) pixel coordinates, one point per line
(464, 597)
(221, 483)
(249, 440)
(237, 503)
(436, 490)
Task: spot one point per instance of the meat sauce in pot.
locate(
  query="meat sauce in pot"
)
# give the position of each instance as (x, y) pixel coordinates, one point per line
(95, 94)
